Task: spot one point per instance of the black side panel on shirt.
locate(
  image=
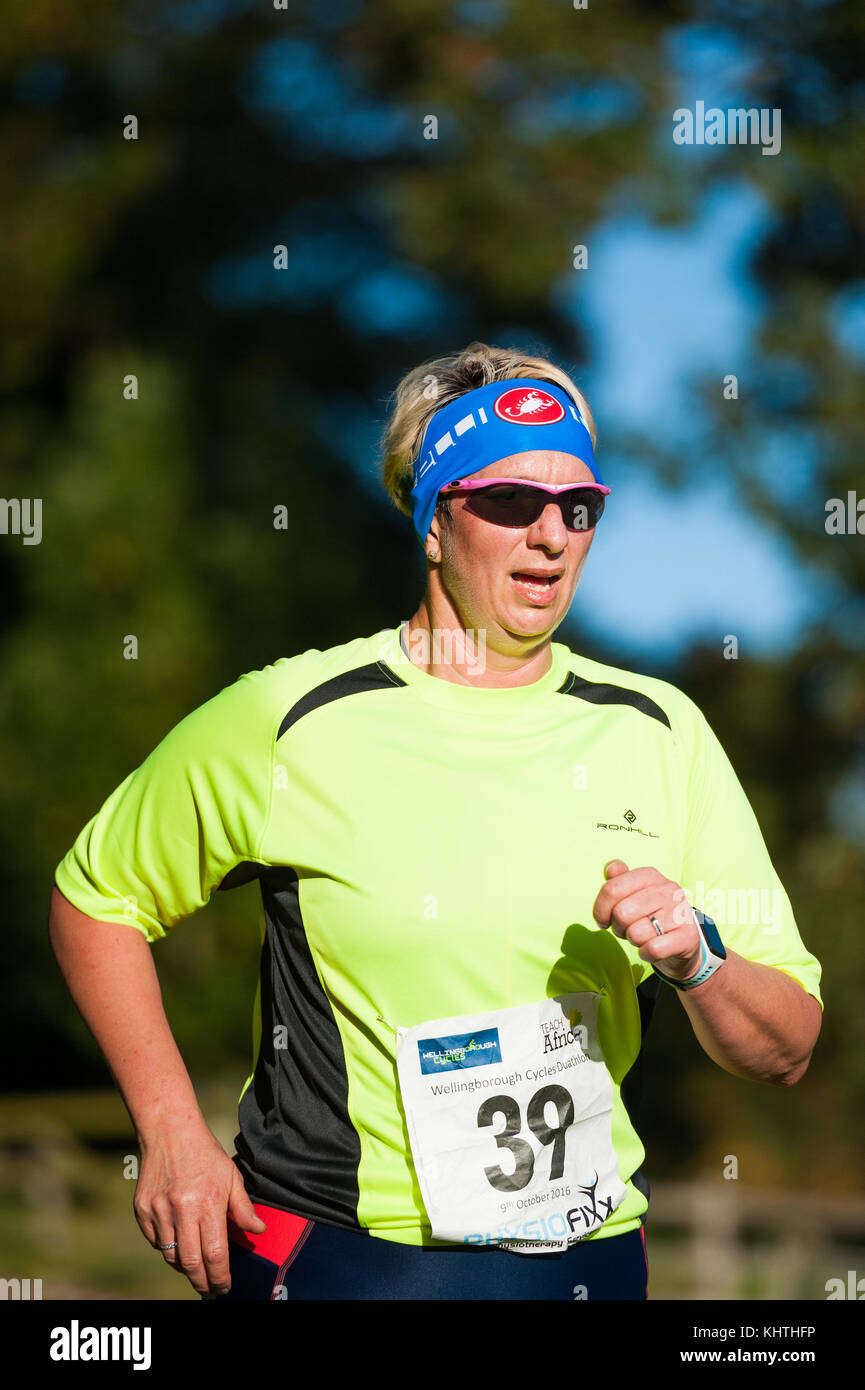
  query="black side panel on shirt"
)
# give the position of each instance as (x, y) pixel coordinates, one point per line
(612, 695)
(244, 872)
(631, 1089)
(297, 1148)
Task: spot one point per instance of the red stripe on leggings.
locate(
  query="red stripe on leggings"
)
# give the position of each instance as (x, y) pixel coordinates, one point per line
(277, 1243)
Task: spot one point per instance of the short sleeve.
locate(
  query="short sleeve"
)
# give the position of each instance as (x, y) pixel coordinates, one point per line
(197, 807)
(726, 869)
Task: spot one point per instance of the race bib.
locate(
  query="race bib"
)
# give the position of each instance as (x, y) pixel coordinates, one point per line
(508, 1118)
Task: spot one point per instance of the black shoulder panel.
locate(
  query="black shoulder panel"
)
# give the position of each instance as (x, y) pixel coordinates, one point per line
(612, 695)
(375, 676)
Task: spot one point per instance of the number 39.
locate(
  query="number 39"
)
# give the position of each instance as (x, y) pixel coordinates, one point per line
(522, 1151)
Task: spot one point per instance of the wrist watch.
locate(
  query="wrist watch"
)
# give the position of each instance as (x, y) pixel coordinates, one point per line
(714, 954)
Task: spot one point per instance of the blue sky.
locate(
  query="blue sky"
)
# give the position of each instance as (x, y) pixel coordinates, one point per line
(664, 308)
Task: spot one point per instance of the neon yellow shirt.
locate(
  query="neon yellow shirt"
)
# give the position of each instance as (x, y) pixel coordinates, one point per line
(425, 850)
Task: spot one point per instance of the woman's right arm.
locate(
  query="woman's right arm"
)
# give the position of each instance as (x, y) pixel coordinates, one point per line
(187, 1184)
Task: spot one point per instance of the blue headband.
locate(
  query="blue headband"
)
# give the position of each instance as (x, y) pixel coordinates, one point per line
(491, 423)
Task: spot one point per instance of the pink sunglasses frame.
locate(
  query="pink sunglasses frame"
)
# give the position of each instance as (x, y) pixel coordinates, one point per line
(469, 486)
(553, 489)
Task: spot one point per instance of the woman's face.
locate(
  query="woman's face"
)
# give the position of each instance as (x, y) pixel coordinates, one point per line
(479, 559)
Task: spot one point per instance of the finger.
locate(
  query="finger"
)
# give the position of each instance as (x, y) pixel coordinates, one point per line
(678, 942)
(190, 1260)
(164, 1234)
(240, 1208)
(145, 1225)
(650, 901)
(604, 902)
(213, 1237)
(615, 867)
(621, 886)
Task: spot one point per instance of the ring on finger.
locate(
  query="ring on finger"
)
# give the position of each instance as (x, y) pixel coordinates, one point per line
(170, 1246)
(656, 924)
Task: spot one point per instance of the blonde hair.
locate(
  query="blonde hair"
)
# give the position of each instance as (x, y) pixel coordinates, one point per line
(433, 384)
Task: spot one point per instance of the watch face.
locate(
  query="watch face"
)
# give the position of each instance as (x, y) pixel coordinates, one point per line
(710, 931)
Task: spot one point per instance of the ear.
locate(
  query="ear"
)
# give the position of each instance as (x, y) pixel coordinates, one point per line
(433, 539)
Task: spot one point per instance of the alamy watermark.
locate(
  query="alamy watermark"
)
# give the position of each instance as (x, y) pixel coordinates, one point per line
(20, 1289)
(440, 646)
(21, 516)
(77, 1343)
(845, 518)
(736, 126)
(853, 1287)
(763, 907)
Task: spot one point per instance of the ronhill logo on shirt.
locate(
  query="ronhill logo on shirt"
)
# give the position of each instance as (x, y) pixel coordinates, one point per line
(630, 818)
(463, 1050)
(76, 1343)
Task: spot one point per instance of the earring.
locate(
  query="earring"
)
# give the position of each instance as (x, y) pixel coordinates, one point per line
(432, 555)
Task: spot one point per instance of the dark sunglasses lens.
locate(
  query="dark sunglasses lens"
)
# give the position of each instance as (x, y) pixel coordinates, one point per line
(521, 506)
(585, 507)
(505, 506)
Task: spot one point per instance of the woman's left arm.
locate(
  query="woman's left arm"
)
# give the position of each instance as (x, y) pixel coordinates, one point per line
(754, 1021)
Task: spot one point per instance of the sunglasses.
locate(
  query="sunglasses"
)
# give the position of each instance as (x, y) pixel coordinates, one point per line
(505, 502)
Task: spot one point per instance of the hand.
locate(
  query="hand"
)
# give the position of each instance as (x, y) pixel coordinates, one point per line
(187, 1187)
(625, 903)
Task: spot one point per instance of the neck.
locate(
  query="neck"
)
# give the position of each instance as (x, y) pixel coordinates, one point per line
(440, 645)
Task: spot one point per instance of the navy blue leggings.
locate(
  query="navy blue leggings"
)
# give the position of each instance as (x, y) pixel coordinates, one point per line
(313, 1261)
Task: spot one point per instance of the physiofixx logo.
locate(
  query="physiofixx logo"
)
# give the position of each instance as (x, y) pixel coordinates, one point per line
(480, 1049)
(529, 406)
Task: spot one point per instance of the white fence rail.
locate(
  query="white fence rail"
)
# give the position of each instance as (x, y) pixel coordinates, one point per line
(725, 1240)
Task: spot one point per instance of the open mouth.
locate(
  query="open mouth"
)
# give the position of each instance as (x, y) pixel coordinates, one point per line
(539, 588)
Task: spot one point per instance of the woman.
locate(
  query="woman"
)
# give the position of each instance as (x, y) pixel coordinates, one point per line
(477, 853)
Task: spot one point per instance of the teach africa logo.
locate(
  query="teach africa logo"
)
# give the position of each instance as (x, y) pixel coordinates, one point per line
(529, 406)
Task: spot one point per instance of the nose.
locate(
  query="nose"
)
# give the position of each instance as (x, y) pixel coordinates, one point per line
(549, 530)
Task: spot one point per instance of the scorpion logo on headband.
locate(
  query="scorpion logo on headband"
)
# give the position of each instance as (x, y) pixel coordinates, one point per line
(528, 406)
